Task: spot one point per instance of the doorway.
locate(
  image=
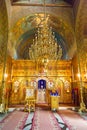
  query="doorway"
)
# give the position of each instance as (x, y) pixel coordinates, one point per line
(41, 91)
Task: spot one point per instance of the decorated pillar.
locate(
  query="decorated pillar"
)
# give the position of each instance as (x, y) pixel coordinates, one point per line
(81, 49)
(3, 49)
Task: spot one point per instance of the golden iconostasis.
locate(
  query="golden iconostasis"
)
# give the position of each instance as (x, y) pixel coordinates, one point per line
(26, 74)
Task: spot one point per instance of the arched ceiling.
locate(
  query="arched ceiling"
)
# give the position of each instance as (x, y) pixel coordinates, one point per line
(23, 32)
(27, 17)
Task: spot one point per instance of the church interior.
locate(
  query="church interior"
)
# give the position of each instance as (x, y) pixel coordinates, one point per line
(43, 64)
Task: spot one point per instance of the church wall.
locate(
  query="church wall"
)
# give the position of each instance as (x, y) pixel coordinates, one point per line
(83, 65)
(81, 46)
(75, 7)
(75, 68)
(75, 80)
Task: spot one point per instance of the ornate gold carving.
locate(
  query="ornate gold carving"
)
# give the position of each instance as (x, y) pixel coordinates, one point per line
(25, 72)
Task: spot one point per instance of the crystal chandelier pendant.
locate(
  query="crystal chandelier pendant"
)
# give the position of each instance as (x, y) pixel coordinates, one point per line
(45, 46)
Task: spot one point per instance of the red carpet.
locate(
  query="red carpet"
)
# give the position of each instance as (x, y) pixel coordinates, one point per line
(44, 120)
(73, 120)
(15, 121)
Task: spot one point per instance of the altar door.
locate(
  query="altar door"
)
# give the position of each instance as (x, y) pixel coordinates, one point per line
(41, 91)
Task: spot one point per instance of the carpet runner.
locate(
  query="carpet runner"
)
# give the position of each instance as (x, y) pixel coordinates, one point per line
(44, 120)
(73, 120)
(15, 121)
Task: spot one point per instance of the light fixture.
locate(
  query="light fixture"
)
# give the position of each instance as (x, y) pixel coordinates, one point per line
(78, 75)
(5, 75)
(45, 46)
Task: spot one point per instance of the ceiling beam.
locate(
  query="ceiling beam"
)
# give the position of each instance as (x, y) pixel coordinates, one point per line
(19, 3)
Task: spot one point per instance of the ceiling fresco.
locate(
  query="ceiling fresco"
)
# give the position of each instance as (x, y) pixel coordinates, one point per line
(67, 18)
(40, 2)
(23, 32)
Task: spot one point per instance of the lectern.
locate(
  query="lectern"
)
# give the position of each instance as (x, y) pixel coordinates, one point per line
(54, 101)
(30, 100)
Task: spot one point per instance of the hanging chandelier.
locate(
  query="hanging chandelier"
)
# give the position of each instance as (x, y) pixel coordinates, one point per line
(45, 44)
